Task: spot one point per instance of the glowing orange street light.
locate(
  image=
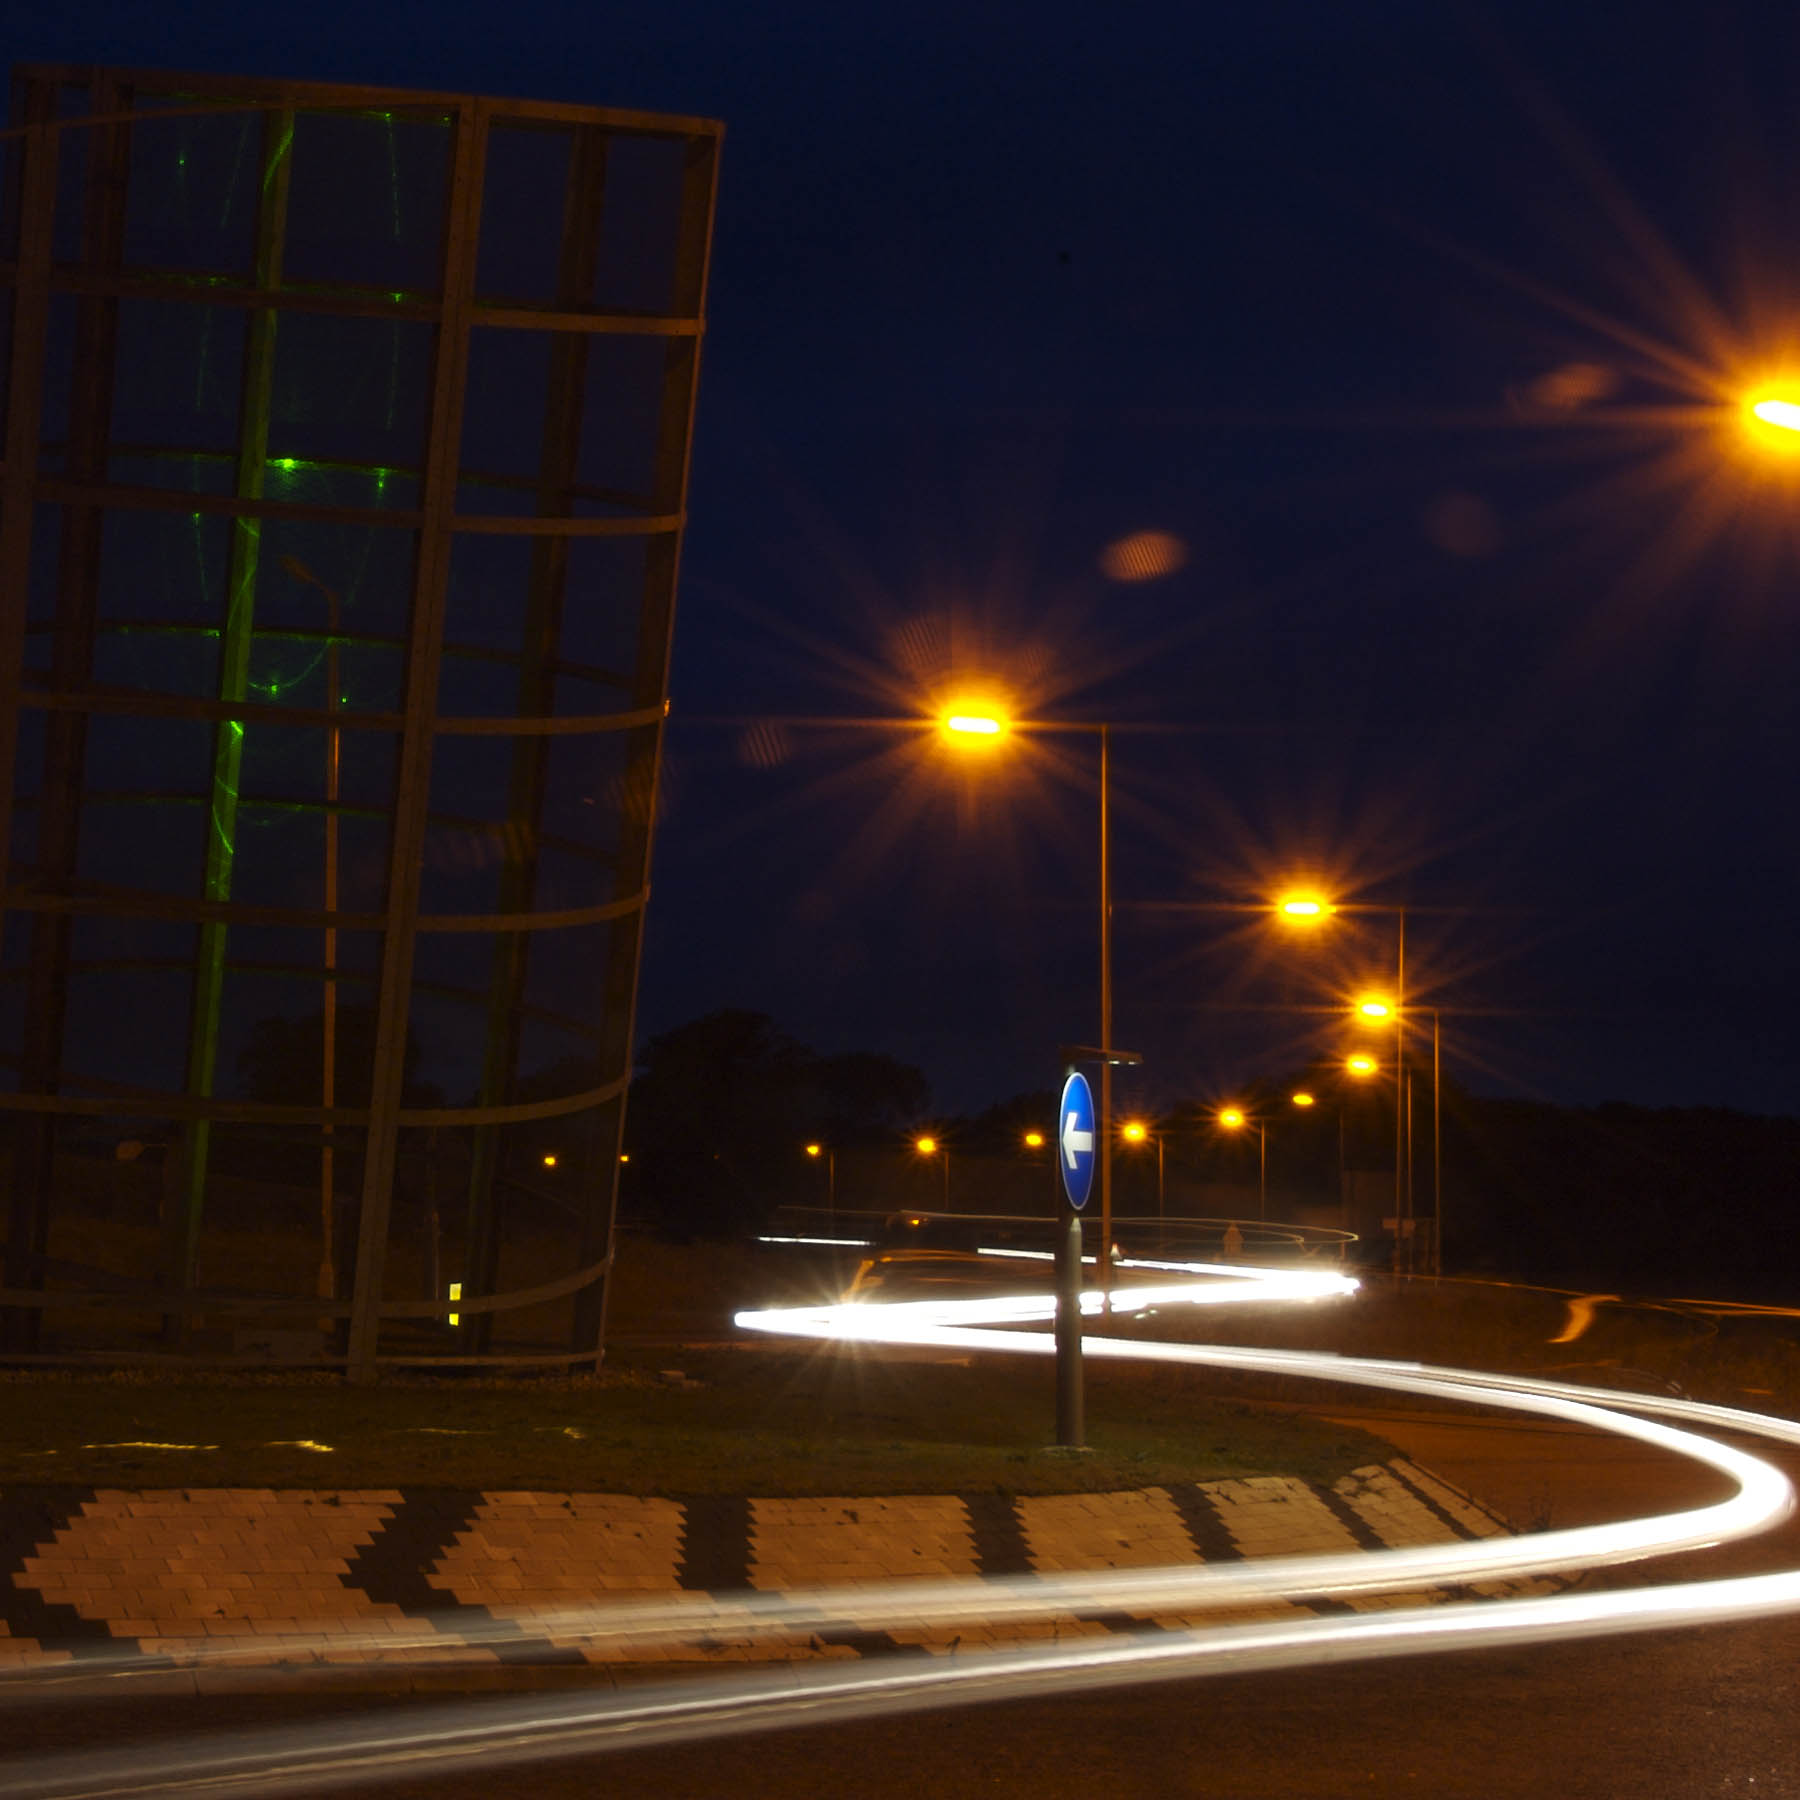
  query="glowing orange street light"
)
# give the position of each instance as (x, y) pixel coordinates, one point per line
(1303, 1099)
(549, 1159)
(1772, 417)
(815, 1149)
(1034, 1140)
(1373, 1009)
(1134, 1131)
(973, 724)
(1231, 1118)
(1303, 907)
(1361, 1064)
(926, 1146)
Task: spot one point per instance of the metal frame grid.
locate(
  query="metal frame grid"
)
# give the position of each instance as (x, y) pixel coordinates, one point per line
(539, 301)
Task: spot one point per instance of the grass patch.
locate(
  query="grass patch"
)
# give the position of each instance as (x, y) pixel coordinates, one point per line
(773, 1419)
(756, 1420)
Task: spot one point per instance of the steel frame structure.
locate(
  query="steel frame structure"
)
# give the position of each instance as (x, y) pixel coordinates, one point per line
(89, 276)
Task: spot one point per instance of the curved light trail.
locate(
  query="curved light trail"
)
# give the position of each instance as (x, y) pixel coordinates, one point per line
(358, 1753)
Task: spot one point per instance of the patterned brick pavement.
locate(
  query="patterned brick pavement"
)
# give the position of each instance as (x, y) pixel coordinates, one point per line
(399, 1576)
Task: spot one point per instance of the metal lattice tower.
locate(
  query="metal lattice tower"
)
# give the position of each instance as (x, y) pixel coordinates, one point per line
(345, 473)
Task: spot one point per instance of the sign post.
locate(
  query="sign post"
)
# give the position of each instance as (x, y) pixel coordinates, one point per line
(1075, 1146)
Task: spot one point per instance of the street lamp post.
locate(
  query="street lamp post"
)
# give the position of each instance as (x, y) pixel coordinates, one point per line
(829, 1153)
(1135, 1131)
(1305, 909)
(1304, 1101)
(929, 1147)
(975, 723)
(1437, 1150)
(1233, 1118)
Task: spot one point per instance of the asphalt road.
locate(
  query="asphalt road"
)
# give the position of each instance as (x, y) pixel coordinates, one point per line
(1702, 1712)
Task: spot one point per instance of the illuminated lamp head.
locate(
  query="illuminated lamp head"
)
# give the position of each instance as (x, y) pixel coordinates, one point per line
(974, 724)
(1771, 417)
(1302, 907)
(1231, 1117)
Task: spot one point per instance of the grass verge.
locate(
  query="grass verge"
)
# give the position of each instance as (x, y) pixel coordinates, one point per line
(755, 1420)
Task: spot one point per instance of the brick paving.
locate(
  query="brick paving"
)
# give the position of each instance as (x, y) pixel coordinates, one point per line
(398, 1577)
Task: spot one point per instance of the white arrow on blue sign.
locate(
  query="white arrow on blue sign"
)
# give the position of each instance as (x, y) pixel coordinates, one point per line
(1075, 1139)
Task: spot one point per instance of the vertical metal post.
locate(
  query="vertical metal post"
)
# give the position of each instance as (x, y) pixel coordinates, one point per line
(681, 368)
(412, 788)
(1402, 1244)
(1412, 1209)
(558, 455)
(1262, 1172)
(328, 1000)
(1343, 1186)
(72, 658)
(26, 1214)
(1071, 1426)
(1071, 1432)
(1106, 1043)
(183, 1241)
(1437, 1154)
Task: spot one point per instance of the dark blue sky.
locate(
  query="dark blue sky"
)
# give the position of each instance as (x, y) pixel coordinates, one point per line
(1416, 325)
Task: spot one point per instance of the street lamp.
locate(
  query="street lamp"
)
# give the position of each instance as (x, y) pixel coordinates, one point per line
(1233, 1118)
(1304, 1101)
(1307, 908)
(971, 723)
(829, 1153)
(929, 1147)
(1302, 907)
(1135, 1131)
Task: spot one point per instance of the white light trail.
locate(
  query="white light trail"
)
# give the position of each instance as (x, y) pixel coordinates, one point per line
(833, 1242)
(504, 1732)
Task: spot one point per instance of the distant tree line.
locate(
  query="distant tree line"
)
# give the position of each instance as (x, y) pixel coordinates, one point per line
(719, 1108)
(1661, 1200)
(1696, 1200)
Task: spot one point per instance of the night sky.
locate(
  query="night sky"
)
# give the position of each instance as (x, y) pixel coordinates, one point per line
(1419, 332)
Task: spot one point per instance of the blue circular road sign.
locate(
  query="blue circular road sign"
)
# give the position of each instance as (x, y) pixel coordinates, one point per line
(1075, 1139)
